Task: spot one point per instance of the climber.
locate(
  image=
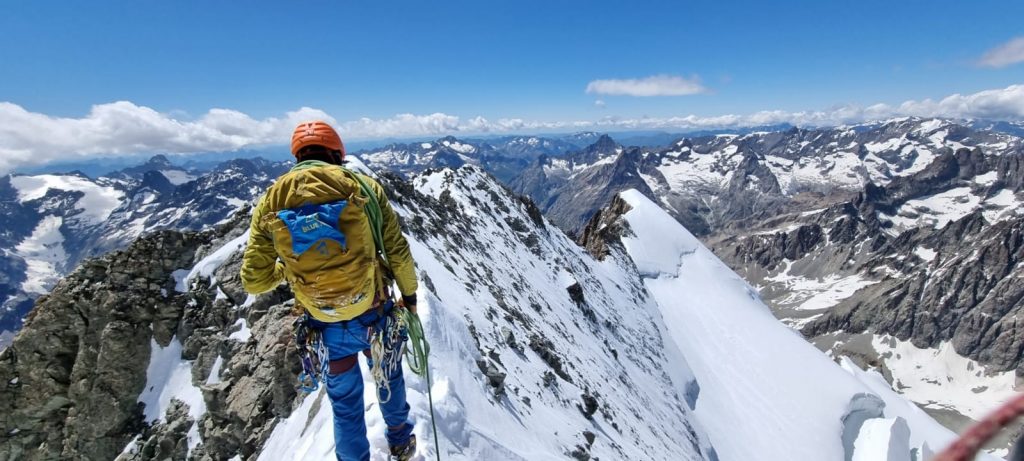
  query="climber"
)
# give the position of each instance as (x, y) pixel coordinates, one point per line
(333, 236)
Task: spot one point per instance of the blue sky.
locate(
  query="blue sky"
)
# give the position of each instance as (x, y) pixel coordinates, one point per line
(497, 59)
(528, 60)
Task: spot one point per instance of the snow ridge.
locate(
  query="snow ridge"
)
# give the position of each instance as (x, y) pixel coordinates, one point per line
(765, 392)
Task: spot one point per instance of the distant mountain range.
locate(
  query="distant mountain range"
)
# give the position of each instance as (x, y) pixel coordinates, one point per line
(896, 243)
(653, 350)
(55, 221)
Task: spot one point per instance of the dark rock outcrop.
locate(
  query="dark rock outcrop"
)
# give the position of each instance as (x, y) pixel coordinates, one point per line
(606, 228)
(974, 298)
(74, 373)
(85, 346)
(593, 188)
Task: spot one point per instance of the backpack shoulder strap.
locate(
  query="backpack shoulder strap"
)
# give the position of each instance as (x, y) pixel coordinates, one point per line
(373, 213)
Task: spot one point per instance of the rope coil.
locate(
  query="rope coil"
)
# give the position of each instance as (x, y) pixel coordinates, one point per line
(419, 351)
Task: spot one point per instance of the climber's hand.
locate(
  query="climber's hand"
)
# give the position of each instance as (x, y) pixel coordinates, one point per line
(408, 302)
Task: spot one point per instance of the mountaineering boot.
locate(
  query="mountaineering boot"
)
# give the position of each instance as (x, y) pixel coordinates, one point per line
(404, 452)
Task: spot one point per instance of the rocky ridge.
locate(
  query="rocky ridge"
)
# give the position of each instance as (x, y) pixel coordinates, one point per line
(58, 220)
(76, 383)
(713, 183)
(74, 373)
(925, 284)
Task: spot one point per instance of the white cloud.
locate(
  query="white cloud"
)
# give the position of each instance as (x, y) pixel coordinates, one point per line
(123, 128)
(656, 85)
(1005, 103)
(600, 104)
(399, 125)
(1007, 54)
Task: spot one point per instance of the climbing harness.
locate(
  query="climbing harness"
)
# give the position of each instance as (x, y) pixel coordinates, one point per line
(312, 352)
(970, 443)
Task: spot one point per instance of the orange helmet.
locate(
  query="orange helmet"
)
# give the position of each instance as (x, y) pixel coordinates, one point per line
(316, 133)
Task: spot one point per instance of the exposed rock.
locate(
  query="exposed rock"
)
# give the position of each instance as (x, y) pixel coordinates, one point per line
(594, 187)
(769, 251)
(605, 228)
(495, 377)
(85, 346)
(547, 353)
(80, 362)
(171, 442)
(973, 299)
(589, 406)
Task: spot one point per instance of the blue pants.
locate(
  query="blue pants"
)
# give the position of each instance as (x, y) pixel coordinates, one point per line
(344, 341)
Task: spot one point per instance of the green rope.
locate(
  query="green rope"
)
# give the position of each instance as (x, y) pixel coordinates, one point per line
(419, 350)
(374, 214)
(419, 346)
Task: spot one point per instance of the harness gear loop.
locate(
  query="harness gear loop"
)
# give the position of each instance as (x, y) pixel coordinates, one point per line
(312, 353)
(387, 346)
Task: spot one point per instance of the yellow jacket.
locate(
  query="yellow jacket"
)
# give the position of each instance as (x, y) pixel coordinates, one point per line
(333, 279)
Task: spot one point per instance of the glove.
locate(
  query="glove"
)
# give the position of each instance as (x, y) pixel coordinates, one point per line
(408, 302)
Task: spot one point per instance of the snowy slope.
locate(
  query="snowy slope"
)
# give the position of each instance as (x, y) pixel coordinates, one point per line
(679, 357)
(44, 254)
(97, 202)
(521, 370)
(478, 300)
(766, 392)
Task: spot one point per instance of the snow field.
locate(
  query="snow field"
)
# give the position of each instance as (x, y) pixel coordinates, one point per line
(817, 294)
(941, 378)
(936, 210)
(169, 377)
(765, 392)
(887, 439)
(940, 209)
(96, 205)
(177, 177)
(44, 254)
(698, 170)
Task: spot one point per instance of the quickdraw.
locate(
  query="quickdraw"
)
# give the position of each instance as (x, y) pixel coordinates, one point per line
(312, 354)
(387, 345)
